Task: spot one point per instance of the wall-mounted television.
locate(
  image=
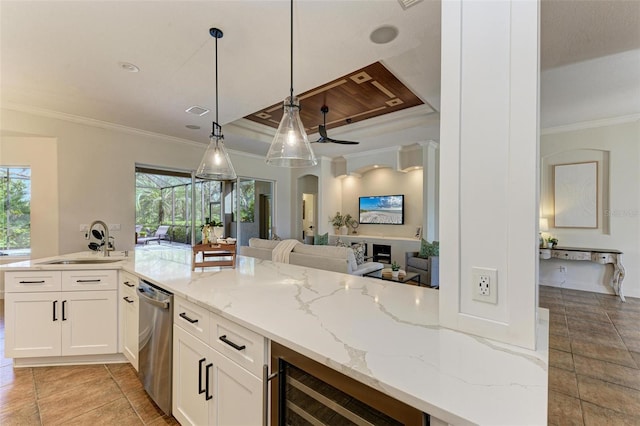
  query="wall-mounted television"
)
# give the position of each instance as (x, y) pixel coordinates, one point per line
(382, 210)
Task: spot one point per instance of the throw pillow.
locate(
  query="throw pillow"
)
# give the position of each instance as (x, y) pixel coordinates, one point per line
(321, 240)
(429, 249)
(358, 251)
(341, 243)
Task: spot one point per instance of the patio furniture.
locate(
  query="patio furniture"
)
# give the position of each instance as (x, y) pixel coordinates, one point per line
(162, 233)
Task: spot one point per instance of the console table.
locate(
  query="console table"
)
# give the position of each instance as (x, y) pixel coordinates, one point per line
(601, 256)
(214, 255)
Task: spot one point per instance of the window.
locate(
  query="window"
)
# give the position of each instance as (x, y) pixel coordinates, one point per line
(15, 211)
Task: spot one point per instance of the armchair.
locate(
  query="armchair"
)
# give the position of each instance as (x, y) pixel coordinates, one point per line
(429, 268)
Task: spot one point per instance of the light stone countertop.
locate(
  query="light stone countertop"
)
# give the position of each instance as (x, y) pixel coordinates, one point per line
(381, 333)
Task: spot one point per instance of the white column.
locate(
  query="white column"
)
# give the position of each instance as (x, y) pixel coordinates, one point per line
(430, 205)
(489, 166)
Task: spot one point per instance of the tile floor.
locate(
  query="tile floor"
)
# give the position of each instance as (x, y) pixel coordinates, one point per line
(78, 395)
(594, 373)
(594, 358)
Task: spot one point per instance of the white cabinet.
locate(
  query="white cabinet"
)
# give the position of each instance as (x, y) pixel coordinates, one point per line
(32, 324)
(209, 388)
(129, 308)
(42, 320)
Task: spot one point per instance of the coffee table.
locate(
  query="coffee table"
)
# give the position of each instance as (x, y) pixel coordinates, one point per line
(403, 277)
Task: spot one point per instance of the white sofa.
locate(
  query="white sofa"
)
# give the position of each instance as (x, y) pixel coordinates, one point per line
(329, 258)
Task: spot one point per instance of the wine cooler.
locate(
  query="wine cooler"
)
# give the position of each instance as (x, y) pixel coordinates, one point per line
(305, 392)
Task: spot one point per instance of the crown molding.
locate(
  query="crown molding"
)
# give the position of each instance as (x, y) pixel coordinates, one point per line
(42, 112)
(590, 124)
(395, 148)
(92, 122)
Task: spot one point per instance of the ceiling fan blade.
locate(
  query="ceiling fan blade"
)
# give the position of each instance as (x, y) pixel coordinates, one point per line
(344, 142)
(323, 132)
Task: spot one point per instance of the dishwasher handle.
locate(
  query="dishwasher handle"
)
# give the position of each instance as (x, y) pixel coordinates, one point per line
(164, 304)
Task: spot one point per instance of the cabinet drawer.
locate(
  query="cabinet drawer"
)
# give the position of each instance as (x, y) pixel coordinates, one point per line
(603, 258)
(544, 253)
(192, 318)
(571, 255)
(128, 281)
(242, 345)
(29, 281)
(89, 280)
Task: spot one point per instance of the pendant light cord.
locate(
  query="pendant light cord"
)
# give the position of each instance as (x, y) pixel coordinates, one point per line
(216, 81)
(291, 98)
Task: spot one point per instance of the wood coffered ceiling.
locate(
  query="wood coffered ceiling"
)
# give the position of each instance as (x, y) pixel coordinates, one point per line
(362, 94)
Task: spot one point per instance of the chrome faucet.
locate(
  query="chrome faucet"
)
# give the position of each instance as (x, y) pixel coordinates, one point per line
(105, 241)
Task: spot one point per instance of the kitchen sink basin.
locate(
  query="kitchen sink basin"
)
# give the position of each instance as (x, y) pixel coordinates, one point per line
(80, 261)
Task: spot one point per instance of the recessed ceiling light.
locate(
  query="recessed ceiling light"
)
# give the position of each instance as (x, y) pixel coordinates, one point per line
(192, 127)
(384, 34)
(197, 110)
(375, 166)
(129, 67)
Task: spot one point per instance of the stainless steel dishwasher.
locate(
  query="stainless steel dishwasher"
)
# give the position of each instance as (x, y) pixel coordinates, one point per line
(156, 343)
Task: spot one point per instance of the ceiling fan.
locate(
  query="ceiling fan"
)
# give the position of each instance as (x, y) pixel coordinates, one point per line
(323, 130)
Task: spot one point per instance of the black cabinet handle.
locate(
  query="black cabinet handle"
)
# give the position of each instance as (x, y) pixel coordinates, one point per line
(566, 254)
(55, 311)
(126, 299)
(183, 315)
(200, 390)
(129, 285)
(32, 282)
(88, 281)
(64, 303)
(207, 395)
(230, 343)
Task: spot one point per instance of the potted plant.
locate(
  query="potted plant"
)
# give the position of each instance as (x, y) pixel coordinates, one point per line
(551, 242)
(395, 269)
(337, 221)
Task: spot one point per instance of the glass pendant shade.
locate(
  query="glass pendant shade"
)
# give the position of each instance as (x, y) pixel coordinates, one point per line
(290, 146)
(216, 164)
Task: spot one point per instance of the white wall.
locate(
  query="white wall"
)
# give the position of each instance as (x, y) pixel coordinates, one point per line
(96, 177)
(385, 181)
(618, 217)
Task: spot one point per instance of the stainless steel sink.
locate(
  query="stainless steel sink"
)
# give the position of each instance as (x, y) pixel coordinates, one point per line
(80, 261)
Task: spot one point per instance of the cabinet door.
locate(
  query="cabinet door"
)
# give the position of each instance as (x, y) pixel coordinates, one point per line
(129, 326)
(190, 359)
(32, 324)
(237, 394)
(89, 322)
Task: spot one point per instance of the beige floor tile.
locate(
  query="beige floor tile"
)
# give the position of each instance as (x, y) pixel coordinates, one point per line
(63, 406)
(582, 300)
(17, 393)
(166, 420)
(620, 315)
(26, 414)
(564, 410)
(582, 324)
(561, 343)
(609, 395)
(632, 343)
(118, 412)
(563, 381)
(613, 340)
(602, 352)
(53, 380)
(144, 406)
(560, 318)
(608, 372)
(559, 329)
(9, 375)
(598, 416)
(561, 359)
(590, 314)
(636, 357)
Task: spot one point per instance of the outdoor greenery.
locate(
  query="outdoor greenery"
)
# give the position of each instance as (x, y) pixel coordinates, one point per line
(15, 209)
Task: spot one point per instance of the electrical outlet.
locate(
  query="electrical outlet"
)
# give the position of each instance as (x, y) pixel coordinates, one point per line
(484, 283)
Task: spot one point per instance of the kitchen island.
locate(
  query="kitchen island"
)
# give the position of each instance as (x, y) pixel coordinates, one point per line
(380, 333)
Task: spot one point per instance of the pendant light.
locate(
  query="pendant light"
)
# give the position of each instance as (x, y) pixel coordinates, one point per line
(216, 164)
(290, 146)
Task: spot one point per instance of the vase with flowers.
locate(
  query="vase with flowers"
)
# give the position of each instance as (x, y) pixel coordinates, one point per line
(340, 222)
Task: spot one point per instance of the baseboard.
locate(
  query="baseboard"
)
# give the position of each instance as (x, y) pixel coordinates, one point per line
(50, 361)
